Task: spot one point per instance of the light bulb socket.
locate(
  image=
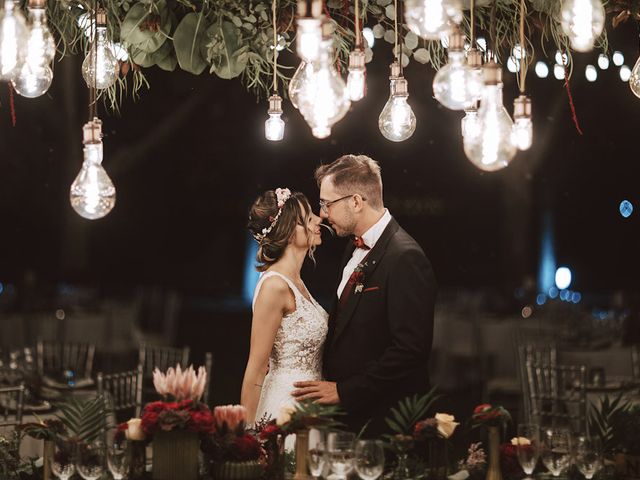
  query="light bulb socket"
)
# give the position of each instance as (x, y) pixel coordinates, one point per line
(92, 132)
(400, 87)
(36, 3)
(492, 73)
(275, 104)
(395, 70)
(101, 17)
(310, 8)
(522, 107)
(474, 58)
(456, 40)
(356, 60)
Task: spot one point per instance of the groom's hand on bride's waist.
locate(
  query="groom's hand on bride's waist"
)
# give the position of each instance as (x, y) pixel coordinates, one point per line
(325, 393)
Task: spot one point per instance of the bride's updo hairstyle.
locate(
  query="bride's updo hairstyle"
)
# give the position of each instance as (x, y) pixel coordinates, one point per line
(273, 218)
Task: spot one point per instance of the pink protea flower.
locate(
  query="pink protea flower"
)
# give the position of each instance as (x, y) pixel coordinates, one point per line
(233, 416)
(181, 384)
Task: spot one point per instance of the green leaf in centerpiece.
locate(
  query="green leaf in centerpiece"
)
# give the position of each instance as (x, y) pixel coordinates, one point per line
(187, 40)
(169, 63)
(146, 59)
(84, 419)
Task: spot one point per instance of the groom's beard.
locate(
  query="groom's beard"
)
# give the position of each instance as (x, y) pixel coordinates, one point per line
(345, 228)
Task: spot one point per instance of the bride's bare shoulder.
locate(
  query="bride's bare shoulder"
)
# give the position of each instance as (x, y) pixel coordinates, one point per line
(275, 293)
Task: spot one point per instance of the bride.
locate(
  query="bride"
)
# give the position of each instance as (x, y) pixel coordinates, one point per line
(289, 327)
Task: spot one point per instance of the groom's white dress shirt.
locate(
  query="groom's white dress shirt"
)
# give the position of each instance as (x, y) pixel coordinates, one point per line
(370, 237)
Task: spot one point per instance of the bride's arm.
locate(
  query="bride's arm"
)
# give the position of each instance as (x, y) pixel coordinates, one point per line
(274, 300)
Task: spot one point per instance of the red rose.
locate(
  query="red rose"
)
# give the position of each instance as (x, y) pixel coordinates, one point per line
(246, 448)
(149, 422)
(202, 421)
(486, 412)
(123, 427)
(185, 405)
(155, 407)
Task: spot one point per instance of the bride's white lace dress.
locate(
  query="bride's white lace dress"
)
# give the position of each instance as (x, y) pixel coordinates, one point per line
(297, 350)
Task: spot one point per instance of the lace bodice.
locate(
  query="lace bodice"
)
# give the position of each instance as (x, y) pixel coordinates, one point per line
(297, 350)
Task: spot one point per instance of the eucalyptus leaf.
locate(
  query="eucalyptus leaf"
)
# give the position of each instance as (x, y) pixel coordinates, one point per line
(375, 9)
(404, 59)
(390, 12)
(411, 40)
(383, 3)
(368, 55)
(378, 31)
(169, 63)
(421, 55)
(390, 36)
(137, 32)
(251, 18)
(334, 3)
(187, 39)
(236, 21)
(227, 54)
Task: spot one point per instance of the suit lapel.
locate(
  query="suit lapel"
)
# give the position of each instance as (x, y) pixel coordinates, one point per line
(343, 315)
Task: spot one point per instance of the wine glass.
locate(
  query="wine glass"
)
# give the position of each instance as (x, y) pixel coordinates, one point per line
(369, 459)
(341, 454)
(528, 446)
(588, 456)
(62, 461)
(117, 460)
(556, 450)
(90, 464)
(317, 454)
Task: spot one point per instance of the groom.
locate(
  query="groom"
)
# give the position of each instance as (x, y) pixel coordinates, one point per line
(381, 324)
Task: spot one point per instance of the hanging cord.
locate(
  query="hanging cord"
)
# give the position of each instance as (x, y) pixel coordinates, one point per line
(356, 24)
(492, 33)
(523, 50)
(93, 111)
(472, 21)
(275, 48)
(395, 29)
(574, 115)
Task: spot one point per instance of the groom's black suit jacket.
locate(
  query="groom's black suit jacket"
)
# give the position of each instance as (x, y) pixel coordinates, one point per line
(379, 340)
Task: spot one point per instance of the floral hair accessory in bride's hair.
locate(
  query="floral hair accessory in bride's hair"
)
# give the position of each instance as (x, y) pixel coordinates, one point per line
(282, 195)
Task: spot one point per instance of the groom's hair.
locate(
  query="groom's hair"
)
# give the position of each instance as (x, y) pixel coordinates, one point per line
(351, 174)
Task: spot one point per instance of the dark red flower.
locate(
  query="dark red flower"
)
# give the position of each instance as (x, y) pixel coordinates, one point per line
(155, 407)
(202, 421)
(246, 448)
(270, 431)
(509, 460)
(149, 422)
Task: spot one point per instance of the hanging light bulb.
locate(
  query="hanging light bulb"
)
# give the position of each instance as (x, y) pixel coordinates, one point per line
(430, 19)
(397, 122)
(470, 124)
(356, 77)
(274, 126)
(92, 193)
(522, 125)
(582, 21)
(457, 85)
(35, 76)
(309, 30)
(493, 148)
(100, 66)
(634, 79)
(324, 100)
(13, 40)
(299, 82)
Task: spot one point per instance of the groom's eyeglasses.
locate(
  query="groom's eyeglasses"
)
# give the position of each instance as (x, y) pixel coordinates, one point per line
(324, 205)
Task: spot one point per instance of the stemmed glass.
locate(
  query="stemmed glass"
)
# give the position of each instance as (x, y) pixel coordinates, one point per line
(556, 450)
(588, 456)
(117, 460)
(369, 459)
(317, 454)
(90, 462)
(62, 461)
(528, 450)
(341, 454)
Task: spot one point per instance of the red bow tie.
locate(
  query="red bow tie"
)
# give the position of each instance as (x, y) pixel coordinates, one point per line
(359, 243)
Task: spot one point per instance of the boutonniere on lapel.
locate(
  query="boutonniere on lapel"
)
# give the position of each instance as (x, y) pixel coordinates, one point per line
(358, 277)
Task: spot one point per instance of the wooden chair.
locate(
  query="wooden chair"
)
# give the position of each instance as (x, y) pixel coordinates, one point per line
(558, 395)
(56, 357)
(11, 405)
(122, 391)
(539, 354)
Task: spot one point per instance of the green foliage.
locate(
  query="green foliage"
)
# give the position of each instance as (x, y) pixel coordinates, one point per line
(12, 467)
(84, 419)
(600, 419)
(410, 411)
(309, 414)
(234, 39)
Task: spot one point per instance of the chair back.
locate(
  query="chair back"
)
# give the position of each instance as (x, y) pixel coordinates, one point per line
(558, 395)
(56, 357)
(11, 405)
(152, 356)
(538, 353)
(121, 391)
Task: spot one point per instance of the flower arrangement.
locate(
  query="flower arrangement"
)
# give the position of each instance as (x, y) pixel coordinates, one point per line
(476, 461)
(180, 384)
(490, 415)
(442, 425)
(230, 441)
